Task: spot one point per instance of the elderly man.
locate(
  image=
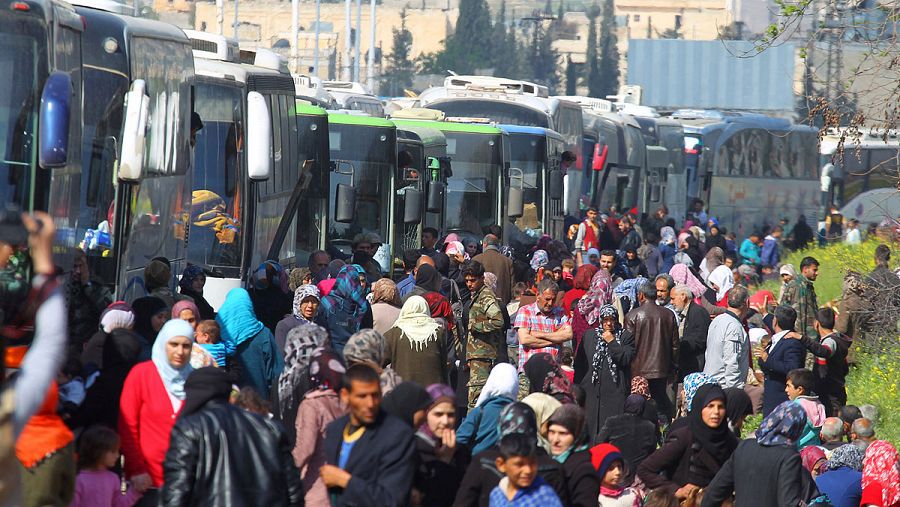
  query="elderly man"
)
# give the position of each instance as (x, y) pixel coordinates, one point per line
(317, 262)
(693, 328)
(656, 345)
(498, 264)
(862, 433)
(832, 433)
(727, 344)
(542, 326)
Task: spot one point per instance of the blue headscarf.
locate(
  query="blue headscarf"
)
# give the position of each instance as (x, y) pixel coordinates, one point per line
(783, 426)
(693, 382)
(237, 319)
(347, 293)
(173, 378)
(629, 288)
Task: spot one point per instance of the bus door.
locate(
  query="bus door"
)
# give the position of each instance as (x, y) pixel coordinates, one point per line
(409, 195)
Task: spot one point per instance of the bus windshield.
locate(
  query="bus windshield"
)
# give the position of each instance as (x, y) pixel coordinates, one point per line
(472, 190)
(500, 112)
(529, 153)
(23, 61)
(216, 213)
(369, 153)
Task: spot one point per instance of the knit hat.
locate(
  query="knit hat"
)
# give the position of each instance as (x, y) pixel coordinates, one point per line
(603, 456)
(157, 274)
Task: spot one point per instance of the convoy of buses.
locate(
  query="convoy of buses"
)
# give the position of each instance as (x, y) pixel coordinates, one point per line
(143, 141)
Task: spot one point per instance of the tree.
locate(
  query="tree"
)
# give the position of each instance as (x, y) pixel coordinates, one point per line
(609, 51)
(470, 46)
(571, 77)
(399, 66)
(594, 81)
(544, 59)
(506, 58)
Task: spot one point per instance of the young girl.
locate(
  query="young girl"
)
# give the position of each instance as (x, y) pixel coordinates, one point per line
(96, 485)
(610, 466)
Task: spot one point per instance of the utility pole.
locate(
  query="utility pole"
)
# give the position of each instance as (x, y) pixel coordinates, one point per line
(356, 40)
(315, 71)
(220, 17)
(235, 25)
(295, 34)
(348, 55)
(370, 64)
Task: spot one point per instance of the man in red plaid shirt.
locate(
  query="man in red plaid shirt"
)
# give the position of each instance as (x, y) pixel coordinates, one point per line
(542, 326)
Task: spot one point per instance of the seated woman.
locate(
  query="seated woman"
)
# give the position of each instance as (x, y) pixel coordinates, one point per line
(693, 454)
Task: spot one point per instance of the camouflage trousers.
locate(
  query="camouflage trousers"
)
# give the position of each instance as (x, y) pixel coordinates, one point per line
(479, 370)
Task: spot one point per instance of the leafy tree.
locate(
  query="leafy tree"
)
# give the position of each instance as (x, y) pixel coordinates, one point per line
(506, 56)
(609, 52)
(544, 59)
(571, 76)
(400, 67)
(470, 46)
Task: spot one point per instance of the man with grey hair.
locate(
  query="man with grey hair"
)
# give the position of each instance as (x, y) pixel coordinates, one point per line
(655, 343)
(862, 433)
(664, 283)
(727, 344)
(693, 329)
(869, 411)
(317, 262)
(498, 264)
(542, 326)
(832, 433)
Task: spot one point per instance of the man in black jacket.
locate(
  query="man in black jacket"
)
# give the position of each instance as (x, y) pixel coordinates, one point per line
(370, 454)
(220, 454)
(693, 329)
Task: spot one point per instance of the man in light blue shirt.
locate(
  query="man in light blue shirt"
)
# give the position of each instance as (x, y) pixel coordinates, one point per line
(727, 343)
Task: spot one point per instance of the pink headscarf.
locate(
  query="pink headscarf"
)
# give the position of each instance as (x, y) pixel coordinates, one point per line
(456, 247)
(185, 304)
(682, 274)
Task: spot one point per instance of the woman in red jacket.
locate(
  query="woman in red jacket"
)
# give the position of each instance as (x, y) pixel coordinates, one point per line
(151, 399)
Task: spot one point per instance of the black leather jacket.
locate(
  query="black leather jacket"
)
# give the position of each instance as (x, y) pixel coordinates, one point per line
(223, 455)
(655, 340)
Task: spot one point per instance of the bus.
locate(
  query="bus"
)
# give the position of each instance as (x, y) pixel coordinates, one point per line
(245, 189)
(135, 190)
(672, 179)
(40, 113)
(754, 170)
(621, 162)
(312, 212)
(363, 153)
(514, 102)
(354, 97)
(421, 182)
(535, 155)
(862, 180)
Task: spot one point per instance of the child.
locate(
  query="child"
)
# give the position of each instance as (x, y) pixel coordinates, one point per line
(610, 467)
(799, 388)
(96, 486)
(521, 486)
(72, 389)
(512, 335)
(207, 336)
(566, 359)
(251, 401)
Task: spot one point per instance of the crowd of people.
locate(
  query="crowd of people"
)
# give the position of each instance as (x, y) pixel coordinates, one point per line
(612, 367)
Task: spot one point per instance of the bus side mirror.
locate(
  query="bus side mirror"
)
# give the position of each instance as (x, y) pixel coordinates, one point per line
(259, 138)
(345, 203)
(412, 206)
(436, 191)
(555, 184)
(515, 196)
(137, 107)
(54, 120)
(433, 163)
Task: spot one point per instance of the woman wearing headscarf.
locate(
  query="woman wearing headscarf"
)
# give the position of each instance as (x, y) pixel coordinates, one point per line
(441, 463)
(191, 284)
(478, 430)
(766, 470)
(188, 312)
(299, 276)
(691, 248)
(150, 313)
(813, 459)
(117, 318)
(543, 405)
(293, 383)
(580, 285)
(407, 402)
(385, 304)
(269, 293)
(569, 446)
(367, 346)
(692, 455)
(539, 259)
(428, 279)
(667, 249)
(545, 376)
(306, 304)
(715, 257)
(482, 475)
(691, 384)
(345, 310)
(721, 280)
(249, 343)
(634, 435)
(440, 309)
(880, 476)
(650, 412)
(682, 274)
(319, 407)
(602, 368)
(738, 408)
(151, 399)
(586, 314)
(842, 479)
(417, 345)
(716, 237)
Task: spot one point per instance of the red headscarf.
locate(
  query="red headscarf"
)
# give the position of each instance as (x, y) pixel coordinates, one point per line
(440, 307)
(880, 472)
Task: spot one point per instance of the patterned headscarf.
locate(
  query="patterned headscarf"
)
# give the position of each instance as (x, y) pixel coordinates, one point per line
(545, 376)
(302, 292)
(325, 370)
(602, 350)
(847, 455)
(385, 290)
(630, 289)
(190, 273)
(597, 296)
(783, 426)
(299, 345)
(881, 471)
(538, 259)
(639, 385)
(365, 346)
(693, 382)
(668, 235)
(260, 278)
(295, 278)
(681, 273)
(347, 293)
(490, 280)
(517, 418)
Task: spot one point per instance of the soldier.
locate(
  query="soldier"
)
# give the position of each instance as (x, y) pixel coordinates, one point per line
(485, 330)
(800, 294)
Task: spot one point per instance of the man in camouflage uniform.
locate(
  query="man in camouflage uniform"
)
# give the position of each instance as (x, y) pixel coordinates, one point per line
(485, 331)
(800, 294)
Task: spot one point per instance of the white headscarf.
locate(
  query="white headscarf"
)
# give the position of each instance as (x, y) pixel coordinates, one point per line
(416, 323)
(503, 381)
(173, 378)
(723, 278)
(116, 319)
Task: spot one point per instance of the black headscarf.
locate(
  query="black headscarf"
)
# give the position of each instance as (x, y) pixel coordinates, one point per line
(737, 404)
(202, 386)
(517, 417)
(121, 351)
(144, 309)
(573, 418)
(718, 442)
(634, 404)
(405, 400)
(428, 278)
